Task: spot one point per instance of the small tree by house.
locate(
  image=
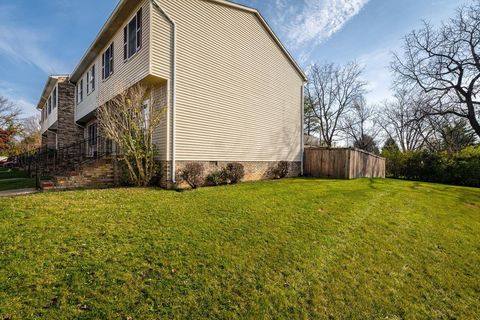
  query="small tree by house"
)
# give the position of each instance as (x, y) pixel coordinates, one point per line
(129, 120)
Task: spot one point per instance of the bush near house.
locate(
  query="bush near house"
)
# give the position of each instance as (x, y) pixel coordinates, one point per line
(233, 172)
(193, 174)
(281, 170)
(462, 168)
(216, 178)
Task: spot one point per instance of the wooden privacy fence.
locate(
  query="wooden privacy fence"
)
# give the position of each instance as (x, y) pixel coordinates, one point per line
(342, 163)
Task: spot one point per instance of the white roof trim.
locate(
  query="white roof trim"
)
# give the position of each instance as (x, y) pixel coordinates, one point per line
(221, 2)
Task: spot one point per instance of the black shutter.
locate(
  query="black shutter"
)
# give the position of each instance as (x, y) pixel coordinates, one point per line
(139, 29)
(103, 66)
(125, 43)
(93, 78)
(111, 59)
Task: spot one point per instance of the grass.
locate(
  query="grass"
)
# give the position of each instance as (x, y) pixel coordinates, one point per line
(290, 249)
(10, 174)
(15, 179)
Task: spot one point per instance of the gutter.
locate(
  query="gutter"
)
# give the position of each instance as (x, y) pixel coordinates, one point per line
(174, 84)
(302, 142)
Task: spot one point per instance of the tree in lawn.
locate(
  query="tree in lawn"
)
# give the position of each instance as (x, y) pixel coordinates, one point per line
(311, 126)
(330, 92)
(445, 64)
(129, 120)
(29, 135)
(450, 134)
(402, 120)
(359, 124)
(390, 145)
(9, 123)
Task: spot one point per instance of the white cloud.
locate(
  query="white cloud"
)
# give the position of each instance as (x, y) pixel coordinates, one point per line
(377, 74)
(28, 46)
(28, 108)
(316, 20)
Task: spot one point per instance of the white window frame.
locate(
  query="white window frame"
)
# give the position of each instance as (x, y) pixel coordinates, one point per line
(55, 98)
(91, 75)
(49, 105)
(80, 91)
(111, 51)
(128, 52)
(146, 113)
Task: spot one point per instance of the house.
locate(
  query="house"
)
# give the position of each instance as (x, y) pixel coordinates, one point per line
(231, 91)
(56, 106)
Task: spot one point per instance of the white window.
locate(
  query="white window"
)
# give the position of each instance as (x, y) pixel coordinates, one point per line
(132, 36)
(91, 80)
(49, 104)
(107, 63)
(54, 98)
(80, 91)
(146, 114)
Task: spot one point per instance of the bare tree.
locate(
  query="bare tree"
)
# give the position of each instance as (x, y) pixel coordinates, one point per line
(402, 120)
(9, 123)
(445, 63)
(359, 125)
(9, 114)
(331, 91)
(29, 136)
(449, 134)
(129, 120)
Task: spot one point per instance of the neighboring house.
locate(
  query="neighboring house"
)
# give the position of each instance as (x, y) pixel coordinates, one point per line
(231, 91)
(57, 107)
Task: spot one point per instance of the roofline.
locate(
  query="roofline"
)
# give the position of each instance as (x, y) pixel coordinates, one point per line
(50, 79)
(221, 2)
(104, 27)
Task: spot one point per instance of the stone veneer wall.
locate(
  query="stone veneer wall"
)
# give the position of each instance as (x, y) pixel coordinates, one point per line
(68, 131)
(254, 170)
(49, 139)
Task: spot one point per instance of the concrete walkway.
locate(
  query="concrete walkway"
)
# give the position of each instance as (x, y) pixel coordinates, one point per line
(18, 192)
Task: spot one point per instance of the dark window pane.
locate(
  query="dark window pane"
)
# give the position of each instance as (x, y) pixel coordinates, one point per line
(132, 37)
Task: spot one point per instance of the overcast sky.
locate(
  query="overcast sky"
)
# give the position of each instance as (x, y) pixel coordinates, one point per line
(39, 38)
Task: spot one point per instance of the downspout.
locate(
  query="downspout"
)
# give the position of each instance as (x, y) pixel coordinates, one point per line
(302, 142)
(174, 84)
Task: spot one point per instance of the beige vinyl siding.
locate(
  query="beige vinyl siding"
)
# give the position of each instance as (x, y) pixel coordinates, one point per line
(160, 135)
(238, 95)
(89, 102)
(126, 74)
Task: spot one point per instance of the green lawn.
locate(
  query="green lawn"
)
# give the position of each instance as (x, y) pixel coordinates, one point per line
(9, 174)
(15, 184)
(15, 179)
(291, 249)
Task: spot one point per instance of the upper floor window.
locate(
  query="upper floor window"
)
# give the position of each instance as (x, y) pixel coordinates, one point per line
(54, 98)
(49, 104)
(80, 91)
(91, 80)
(107, 63)
(132, 36)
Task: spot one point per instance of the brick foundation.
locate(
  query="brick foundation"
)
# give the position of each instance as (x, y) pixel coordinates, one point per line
(95, 174)
(254, 170)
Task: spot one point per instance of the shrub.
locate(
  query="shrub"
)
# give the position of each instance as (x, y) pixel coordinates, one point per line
(281, 170)
(233, 172)
(156, 179)
(193, 174)
(462, 168)
(216, 178)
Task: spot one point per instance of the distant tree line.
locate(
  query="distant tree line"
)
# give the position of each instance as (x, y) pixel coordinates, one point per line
(429, 130)
(17, 134)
